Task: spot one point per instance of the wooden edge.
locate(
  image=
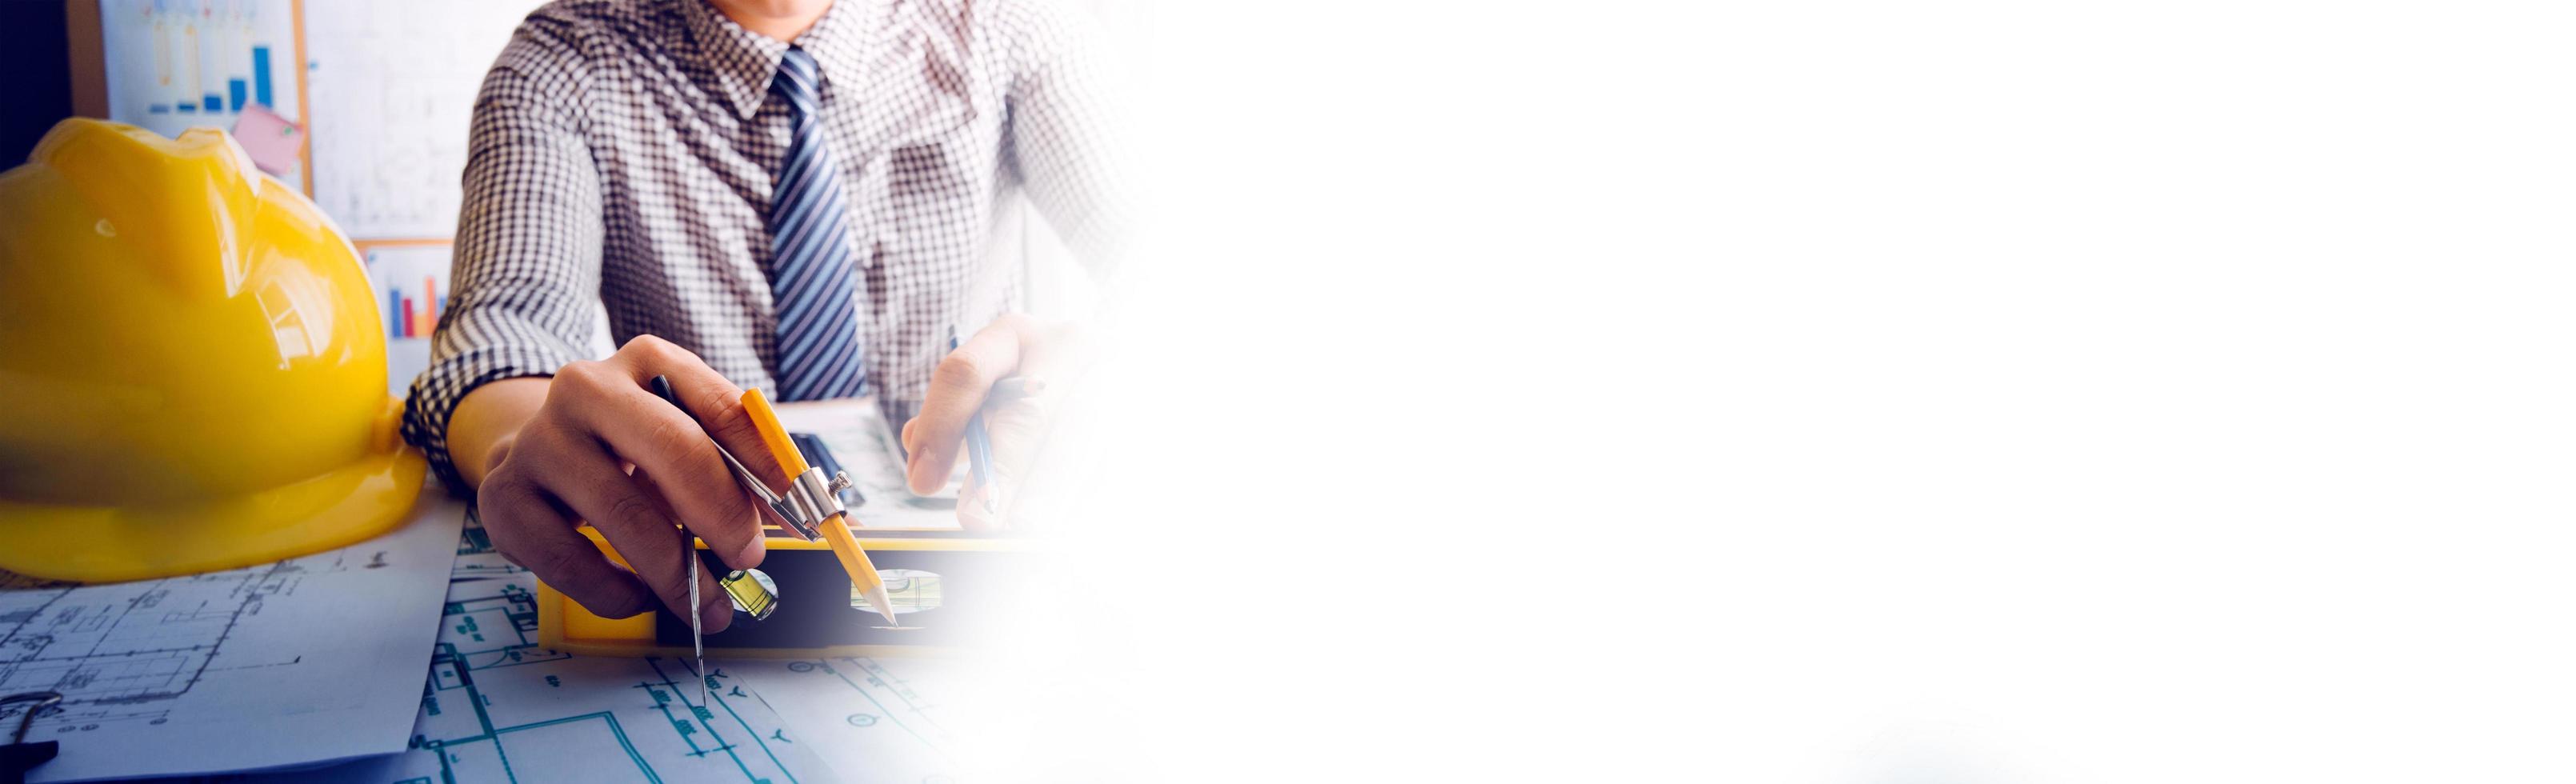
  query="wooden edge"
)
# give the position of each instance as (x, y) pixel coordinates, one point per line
(401, 242)
(303, 100)
(88, 50)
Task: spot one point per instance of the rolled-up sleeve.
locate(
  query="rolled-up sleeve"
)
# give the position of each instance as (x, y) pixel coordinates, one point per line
(524, 288)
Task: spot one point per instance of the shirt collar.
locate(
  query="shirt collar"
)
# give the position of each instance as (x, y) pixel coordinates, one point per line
(744, 61)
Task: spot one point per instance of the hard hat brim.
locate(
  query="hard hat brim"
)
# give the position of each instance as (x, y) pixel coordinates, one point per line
(94, 544)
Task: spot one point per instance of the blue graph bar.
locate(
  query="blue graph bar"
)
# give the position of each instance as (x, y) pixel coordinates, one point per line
(393, 314)
(160, 108)
(187, 108)
(241, 94)
(214, 103)
(259, 72)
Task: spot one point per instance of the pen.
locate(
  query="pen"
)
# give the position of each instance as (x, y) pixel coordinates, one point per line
(1013, 388)
(979, 447)
(979, 441)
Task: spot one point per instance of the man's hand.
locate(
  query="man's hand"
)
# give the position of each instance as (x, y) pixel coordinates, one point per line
(603, 449)
(1013, 345)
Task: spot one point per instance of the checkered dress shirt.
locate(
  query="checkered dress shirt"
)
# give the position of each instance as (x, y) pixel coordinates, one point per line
(624, 151)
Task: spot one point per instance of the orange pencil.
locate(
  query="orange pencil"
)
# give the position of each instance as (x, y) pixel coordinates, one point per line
(835, 524)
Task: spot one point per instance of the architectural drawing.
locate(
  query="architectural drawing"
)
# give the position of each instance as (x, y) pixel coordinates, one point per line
(870, 719)
(496, 707)
(492, 706)
(172, 664)
(476, 558)
(118, 655)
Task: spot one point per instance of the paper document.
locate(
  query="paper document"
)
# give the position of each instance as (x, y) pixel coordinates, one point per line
(410, 285)
(498, 708)
(288, 663)
(869, 719)
(394, 88)
(476, 558)
(858, 437)
(173, 65)
(275, 144)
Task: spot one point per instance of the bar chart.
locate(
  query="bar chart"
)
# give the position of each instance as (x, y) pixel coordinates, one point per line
(179, 64)
(411, 284)
(413, 313)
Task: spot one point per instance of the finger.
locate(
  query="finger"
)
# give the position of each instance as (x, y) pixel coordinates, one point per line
(713, 401)
(957, 389)
(1018, 428)
(529, 528)
(602, 402)
(720, 412)
(712, 600)
(590, 483)
(715, 404)
(609, 400)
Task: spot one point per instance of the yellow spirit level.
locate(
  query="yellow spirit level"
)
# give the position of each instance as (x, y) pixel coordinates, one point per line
(944, 583)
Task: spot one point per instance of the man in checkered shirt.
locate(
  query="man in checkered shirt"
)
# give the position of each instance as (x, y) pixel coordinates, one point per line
(637, 156)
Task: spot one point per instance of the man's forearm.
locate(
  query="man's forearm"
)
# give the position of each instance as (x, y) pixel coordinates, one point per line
(487, 421)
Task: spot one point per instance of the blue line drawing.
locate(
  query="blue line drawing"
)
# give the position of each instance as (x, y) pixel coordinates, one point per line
(498, 707)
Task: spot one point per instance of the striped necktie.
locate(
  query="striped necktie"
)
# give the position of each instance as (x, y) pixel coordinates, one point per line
(812, 280)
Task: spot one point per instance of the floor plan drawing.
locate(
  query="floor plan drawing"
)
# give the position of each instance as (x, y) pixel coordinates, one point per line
(476, 558)
(491, 704)
(497, 707)
(869, 719)
(170, 664)
(116, 655)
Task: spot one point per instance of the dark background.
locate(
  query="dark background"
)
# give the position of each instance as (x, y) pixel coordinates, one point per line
(35, 56)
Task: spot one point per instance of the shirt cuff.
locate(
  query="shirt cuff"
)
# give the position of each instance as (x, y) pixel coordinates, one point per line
(435, 394)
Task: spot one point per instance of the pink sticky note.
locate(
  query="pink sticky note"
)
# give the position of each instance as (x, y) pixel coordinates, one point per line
(273, 142)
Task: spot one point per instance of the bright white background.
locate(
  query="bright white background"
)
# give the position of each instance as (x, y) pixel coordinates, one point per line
(1838, 392)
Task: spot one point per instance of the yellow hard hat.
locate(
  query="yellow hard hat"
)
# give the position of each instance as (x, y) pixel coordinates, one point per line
(192, 367)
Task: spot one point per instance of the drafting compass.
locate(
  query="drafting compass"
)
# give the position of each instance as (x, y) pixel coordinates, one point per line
(20, 756)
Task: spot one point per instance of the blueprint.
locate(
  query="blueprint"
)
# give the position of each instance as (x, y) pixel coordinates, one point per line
(476, 559)
(869, 719)
(492, 704)
(497, 707)
(267, 666)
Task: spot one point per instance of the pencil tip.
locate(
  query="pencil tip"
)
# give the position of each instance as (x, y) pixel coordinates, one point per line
(884, 606)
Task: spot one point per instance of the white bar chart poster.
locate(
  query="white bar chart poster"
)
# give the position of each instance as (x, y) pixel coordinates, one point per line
(179, 64)
(411, 295)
